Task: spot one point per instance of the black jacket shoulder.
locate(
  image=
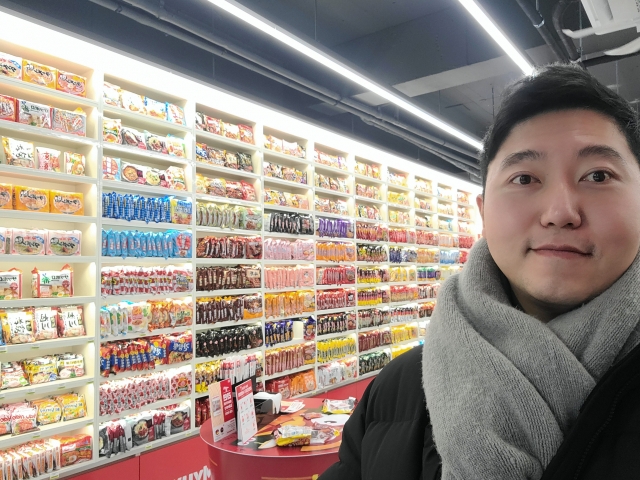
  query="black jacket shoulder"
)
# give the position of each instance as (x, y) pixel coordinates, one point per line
(389, 433)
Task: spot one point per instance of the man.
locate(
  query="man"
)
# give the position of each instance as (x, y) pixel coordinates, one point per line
(531, 366)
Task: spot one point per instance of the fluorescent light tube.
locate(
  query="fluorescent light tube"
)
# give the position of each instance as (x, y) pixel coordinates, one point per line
(303, 47)
(500, 38)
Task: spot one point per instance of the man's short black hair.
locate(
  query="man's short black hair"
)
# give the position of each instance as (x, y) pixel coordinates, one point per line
(553, 88)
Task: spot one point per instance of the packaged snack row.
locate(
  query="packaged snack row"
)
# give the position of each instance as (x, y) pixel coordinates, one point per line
(404, 313)
(280, 360)
(402, 274)
(373, 339)
(292, 385)
(288, 304)
(368, 211)
(228, 216)
(32, 324)
(43, 75)
(335, 348)
(402, 235)
(31, 199)
(228, 309)
(339, 275)
(450, 257)
(372, 296)
(335, 252)
(445, 208)
(290, 174)
(423, 204)
(445, 192)
(368, 191)
(403, 255)
(223, 158)
(43, 116)
(465, 242)
(286, 199)
(428, 255)
(144, 353)
(337, 184)
(464, 197)
(114, 168)
(399, 198)
(219, 187)
(133, 280)
(464, 256)
(373, 274)
(464, 227)
(423, 221)
(236, 368)
(326, 205)
(423, 185)
(427, 238)
(428, 291)
(447, 224)
(396, 216)
(20, 241)
(115, 96)
(24, 417)
(114, 132)
(371, 253)
(134, 393)
(35, 371)
(368, 170)
(216, 342)
(143, 317)
(402, 333)
(20, 153)
(243, 133)
(135, 244)
(120, 436)
(403, 293)
(280, 249)
(374, 317)
(334, 227)
(298, 276)
(397, 178)
(226, 278)
(370, 362)
(230, 247)
(425, 310)
(338, 298)
(336, 322)
(282, 146)
(308, 328)
(292, 223)
(337, 372)
(335, 161)
(131, 207)
(373, 232)
(398, 350)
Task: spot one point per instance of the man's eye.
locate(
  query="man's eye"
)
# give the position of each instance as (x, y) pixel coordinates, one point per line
(522, 179)
(599, 176)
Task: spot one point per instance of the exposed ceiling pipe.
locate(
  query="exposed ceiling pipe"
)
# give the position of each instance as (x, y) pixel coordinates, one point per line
(538, 21)
(139, 17)
(604, 58)
(558, 13)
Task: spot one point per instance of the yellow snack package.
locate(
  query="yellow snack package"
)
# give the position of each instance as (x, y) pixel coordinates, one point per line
(69, 203)
(73, 406)
(28, 199)
(71, 83)
(39, 74)
(6, 196)
(49, 411)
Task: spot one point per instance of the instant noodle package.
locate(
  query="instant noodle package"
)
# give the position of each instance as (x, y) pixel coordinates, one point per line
(52, 284)
(115, 96)
(7, 108)
(48, 368)
(11, 284)
(69, 203)
(143, 317)
(30, 199)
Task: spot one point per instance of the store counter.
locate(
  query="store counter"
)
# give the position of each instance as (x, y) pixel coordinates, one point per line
(230, 461)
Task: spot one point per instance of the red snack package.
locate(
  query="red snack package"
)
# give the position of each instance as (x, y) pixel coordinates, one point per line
(246, 133)
(7, 108)
(248, 192)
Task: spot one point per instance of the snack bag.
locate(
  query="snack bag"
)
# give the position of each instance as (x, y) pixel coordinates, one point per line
(70, 365)
(155, 108)
(71, 321)
(73, 406)
(34, 114)
(111, 130)
(69, 203)
(48, 411)
(6, 196)
(18, 153)
(74, 163)
(111, 168)
(181, 211)
(175, 146)
(155, 143)
(45, 323)
(176, 178)
(71, 83)
(23, 419)
(11, 284)
(64, 243)
(29, 199)
(73, 123)
(7, 108)
(74, 449)
(133, 102)
(246, 133)
(10, 66)
(40, 370)
(17, 326)
(52, 284)
(112, 95)
(131, 136)
(175, 114)
(39, 74)
(28, 242)
(48, 159)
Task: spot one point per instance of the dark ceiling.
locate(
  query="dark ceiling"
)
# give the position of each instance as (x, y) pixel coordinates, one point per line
(430, 50)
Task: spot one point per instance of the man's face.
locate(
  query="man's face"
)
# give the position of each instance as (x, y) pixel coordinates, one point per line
(561, 208)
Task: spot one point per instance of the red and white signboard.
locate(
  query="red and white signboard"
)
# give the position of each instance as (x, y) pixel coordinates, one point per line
(223, 417)
(247, 425)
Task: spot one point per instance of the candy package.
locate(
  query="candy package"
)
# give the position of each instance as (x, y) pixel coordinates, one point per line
(6, 196)
(30, 199)
(51, 283)
(17, 326)
(18, 153)
(74, 163)
(34, 114)
(39, 74)
(7, 108)
(10, 66)
(11, 284)
(133, 102)
(28, 242)
(64, 243)
(73, 123)
(155, 109)
(175, 114)
(155, 143)
(111, 129)
(48, 159)
(111, 168)
(69, 203)
(112, 95)
(71, 83)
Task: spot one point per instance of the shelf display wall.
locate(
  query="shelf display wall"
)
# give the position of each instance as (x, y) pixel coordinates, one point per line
(321, 255)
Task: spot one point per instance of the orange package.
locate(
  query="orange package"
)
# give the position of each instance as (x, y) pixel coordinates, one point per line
(69, 203)
(28, 199)
(6, 196)
(39, 74)
(71, 83)
(74, 449)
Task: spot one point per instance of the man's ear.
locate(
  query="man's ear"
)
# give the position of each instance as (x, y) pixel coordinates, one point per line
(480, 203)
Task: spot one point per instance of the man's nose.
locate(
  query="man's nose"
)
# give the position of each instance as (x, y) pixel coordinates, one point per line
(560, 206)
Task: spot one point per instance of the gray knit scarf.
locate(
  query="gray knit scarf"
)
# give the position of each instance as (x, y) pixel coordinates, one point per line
(502, 388)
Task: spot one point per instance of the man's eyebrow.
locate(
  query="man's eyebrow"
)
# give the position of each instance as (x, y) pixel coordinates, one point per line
(521, 156)
(604, 151)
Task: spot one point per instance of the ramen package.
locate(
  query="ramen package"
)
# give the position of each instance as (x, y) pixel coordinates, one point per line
(28, 242)
(39, 74)
(5, 240)
(70, 365)
(10, 66)
(45, 321)
(6, 196)
(73, 406)
(111, 128)
(7, 108)
(12, 375)
(23, 419)
(74, 449)
(49, 411)
(175, 114)
(111, 168)
(175, 178)
(71, 321)
(17, 326)
(34, 114)
(52, 283)
(18, 153)
(73, 123)
(71, 83)
(132, 137)
(74, 163)
(28, 199)
(155, 108)
(69, 203)
(48, 159)
(64, 243)
(133, 102)
(112, 95)
(40, 370)
(155, 143)
(11, 284)
(175, 146)
(246, 133)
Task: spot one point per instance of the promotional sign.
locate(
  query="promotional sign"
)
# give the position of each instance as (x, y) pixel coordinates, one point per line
(223, 418)
(247, 425)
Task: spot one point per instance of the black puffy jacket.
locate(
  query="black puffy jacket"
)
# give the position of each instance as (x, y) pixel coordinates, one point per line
(389, 434)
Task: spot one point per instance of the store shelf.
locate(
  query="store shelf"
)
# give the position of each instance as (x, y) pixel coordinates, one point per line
(281, 208)
(139, 224)
(420, 193)
(58, 343)
(334, 193)
(141, 297)
(138, 373)
(202, 167)
(45, 431)
(45, 217)
(55, 95)
(247, 351)
(401, 225)
(151, 261)
(30, 391)
(424, 212)
(228, 231)
(208, 137)
(155, 125)
(270, 154)
(405, 342)
(291, 317)
(400, 188)
(375, 349)
(369, 307)
(360, 199)
(335, 310)
(351, 355)
(150, 406)
(235, 291)
(445, 215)
(371, 220)
(328, 336)
(286, 184)
(370, 329)
(398, 206)
(39, 259)
(226, 261)
(289, 235)
(331, 215)
(295, 341)
(304, 368)
(332, 287)
(319, 167)
(45, 302)
(143, 189)
(213, 326)
(9, 171)
(36, 134)
(364, 178)
(153, 333)
(287, 262)
(228, 201)
(129, 151)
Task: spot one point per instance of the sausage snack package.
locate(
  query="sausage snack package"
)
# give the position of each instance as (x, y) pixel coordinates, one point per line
(71, 83)
(73, 123)
(39, 74)
(17, 326)
(34, 114)
(6, 196)
(7, 108)
(18, 153)
(52, 283)
(48, 159)
(10, 66)
(69, 203)
(29, 199)
(11, 284)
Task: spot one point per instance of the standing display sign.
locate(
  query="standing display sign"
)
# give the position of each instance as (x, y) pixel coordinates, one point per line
(223, 418)
(247, 425)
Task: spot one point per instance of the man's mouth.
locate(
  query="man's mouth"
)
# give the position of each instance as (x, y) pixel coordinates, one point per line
(562, 251)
